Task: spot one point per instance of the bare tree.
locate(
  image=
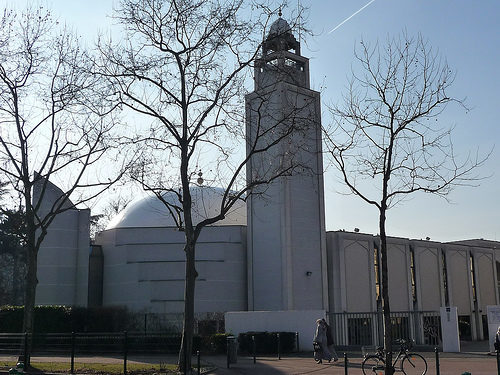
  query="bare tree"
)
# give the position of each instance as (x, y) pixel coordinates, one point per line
(182, 68)
(52, 125)
(387, 141)
(114, 206)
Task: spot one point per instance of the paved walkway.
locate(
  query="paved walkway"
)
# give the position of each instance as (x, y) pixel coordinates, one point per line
(477, 363)
(474, 359)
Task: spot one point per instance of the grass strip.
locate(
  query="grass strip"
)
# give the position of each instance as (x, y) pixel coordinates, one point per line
(96, 368)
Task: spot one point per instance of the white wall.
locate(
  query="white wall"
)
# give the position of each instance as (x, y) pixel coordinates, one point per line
(398, 259)
(144, 269)
(429, 277)
(459, 282)
(63, 256)
(350, 272)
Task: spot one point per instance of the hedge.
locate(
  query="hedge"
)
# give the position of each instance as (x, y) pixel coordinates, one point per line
(62, 319)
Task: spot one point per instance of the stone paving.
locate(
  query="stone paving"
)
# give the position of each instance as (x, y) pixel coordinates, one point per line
(475, 364)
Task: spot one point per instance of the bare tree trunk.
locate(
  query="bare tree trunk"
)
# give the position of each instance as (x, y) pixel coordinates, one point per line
(386, 310)
(31, 282)
(191, 236)
(187, 332)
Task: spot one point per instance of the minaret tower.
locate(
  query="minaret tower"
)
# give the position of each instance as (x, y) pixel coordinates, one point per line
(286, 220)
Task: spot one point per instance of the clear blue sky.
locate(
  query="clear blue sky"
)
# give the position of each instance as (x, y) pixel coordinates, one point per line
(467, 33)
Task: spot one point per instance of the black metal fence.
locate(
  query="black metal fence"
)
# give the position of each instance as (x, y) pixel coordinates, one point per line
(90, 343)
(102, 344)
(366, 328)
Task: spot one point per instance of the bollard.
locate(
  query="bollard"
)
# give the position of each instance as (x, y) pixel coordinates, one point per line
(253, 348)
(279, 346)
(436, 350)
(72, 352)
(198, 361)
(346, 364)
(125, 352)
(232, 350)
(297, 341)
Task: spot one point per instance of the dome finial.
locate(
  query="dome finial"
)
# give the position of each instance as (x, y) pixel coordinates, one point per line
(279, 12)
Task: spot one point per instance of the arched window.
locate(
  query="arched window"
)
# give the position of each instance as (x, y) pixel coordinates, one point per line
(473, 279)
(445, 279)
(376, 266)
(413, 276)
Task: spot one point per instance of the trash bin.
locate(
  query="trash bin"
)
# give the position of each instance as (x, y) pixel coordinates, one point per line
(232, 349)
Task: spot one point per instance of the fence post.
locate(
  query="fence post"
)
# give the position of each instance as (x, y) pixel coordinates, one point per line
(297, 340)
(253, 349)
(279, 345)
(26, 359)
(227, 351)
(436, 350)
(346, 364)
(198, 361)
(125, 352)
(72, 352)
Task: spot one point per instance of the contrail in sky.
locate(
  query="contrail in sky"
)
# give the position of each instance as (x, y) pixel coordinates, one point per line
(348, 18)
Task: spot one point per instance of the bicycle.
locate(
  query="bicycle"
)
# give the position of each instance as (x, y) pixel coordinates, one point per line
(409, 363)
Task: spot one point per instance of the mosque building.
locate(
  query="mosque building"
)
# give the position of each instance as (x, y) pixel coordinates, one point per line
(271, 255)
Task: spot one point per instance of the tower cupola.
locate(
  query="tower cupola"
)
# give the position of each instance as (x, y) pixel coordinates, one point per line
(281, 60)
(280, 38)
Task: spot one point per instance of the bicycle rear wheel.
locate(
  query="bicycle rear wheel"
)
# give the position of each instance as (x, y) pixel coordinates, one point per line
(373, 365)
(414, 364)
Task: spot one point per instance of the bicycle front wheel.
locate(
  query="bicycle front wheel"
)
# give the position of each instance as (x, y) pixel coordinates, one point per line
(373, 365)
(414, 364)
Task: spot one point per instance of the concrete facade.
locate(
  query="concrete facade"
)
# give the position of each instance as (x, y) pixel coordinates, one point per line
(423, 276)
(149, 264)
(63, 256)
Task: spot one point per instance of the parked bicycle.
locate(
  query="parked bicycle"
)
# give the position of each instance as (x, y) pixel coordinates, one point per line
(409, 363)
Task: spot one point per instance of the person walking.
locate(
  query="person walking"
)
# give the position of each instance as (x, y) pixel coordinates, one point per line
(329, 341)
(320, 343)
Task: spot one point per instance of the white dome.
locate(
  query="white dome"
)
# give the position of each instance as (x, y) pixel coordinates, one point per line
(151, 212)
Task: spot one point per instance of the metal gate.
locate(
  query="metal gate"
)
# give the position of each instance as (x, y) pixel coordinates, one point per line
(366, 328)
